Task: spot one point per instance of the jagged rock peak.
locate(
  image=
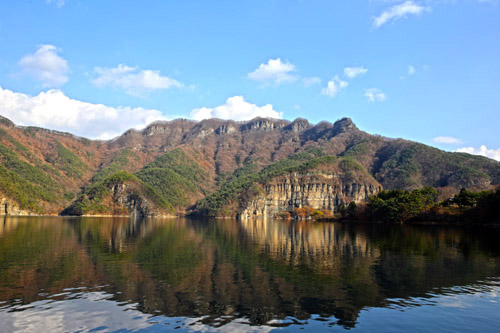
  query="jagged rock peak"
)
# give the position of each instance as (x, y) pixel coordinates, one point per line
(208, 126)
(227, 128)
(344, 125)
(214, 122)
(299, 125)
(162, 126)
(129, 132)
(264, 124)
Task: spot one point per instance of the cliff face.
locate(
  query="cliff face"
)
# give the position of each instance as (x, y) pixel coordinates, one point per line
(126, 200)
(8, 207)
(317, 189)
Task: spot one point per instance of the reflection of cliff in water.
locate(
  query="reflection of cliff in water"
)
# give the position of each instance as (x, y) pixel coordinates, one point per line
(259, 270)
(320, 245)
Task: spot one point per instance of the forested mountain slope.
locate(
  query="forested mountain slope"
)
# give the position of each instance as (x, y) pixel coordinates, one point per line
(180, 162)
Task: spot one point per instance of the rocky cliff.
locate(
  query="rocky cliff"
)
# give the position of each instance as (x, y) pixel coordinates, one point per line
(127, 200)
(9, 207)
(303, 180)
(315, 189)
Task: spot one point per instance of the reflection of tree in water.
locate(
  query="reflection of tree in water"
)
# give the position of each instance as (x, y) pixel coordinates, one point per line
(259, 270)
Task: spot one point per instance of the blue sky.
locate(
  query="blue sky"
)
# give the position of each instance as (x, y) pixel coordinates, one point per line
(422, 70)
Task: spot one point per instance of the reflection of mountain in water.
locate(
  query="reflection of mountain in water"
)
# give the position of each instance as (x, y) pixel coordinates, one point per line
(259, 270)
(318, 245)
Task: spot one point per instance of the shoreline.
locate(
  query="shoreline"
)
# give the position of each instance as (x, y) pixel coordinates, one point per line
(100, 215)
(320, 220)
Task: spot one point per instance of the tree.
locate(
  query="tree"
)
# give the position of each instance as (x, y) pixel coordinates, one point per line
(465, 198)
(300, 213)
(400, 205)
(429, 196)
(351, 209)
(317, 214)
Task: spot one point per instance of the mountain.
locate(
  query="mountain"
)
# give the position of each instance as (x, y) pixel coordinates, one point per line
(211, 167)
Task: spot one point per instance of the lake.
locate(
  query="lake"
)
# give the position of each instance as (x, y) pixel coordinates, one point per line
(119, 274)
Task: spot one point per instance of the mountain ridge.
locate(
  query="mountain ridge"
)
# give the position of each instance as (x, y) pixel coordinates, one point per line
(216, 148)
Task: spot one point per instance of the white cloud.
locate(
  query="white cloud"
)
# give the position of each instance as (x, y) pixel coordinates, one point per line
(375, 95)
(333, 87)
(275, 71)
(236, 108)
(132, 80)
(45, 65)
(483, 151)
(54, 110)
(309, 81)
(57, 3)
(352, 72)
(448, 140)
(411, 70)
(398, 11)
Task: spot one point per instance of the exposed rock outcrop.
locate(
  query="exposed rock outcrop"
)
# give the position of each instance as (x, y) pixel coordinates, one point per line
(8, 207)
(325, 187)
(129, 201)
(316, 190)
(121, 194)
(266, 124)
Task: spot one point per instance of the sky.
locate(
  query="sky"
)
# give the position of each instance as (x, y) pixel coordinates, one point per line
(422, 70)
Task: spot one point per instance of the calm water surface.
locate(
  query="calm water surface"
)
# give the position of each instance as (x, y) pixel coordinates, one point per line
(111, 274)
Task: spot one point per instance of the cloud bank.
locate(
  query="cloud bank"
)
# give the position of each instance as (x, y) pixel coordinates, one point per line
(54, 110)
(483, 151)
(236, 108)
